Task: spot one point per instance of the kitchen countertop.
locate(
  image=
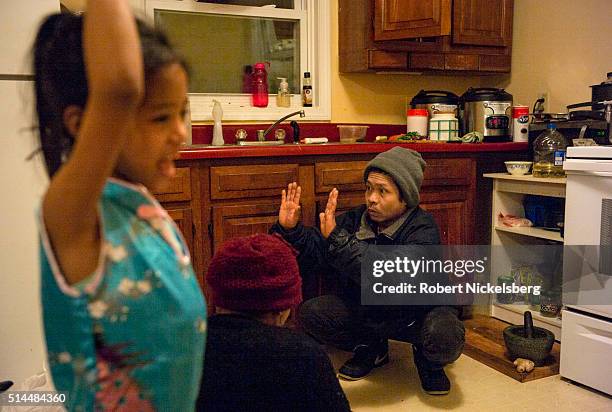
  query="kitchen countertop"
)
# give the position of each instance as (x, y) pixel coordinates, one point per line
(230, 151)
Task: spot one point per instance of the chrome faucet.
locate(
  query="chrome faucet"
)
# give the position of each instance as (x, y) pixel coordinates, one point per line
(261, 134)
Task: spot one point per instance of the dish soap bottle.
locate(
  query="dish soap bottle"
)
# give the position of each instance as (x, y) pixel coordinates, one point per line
(217, 114)
(283, 98)
(307, 91)
(549, 153)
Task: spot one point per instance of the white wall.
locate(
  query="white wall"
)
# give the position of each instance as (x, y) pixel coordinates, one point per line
(559, 47)
(22, 183)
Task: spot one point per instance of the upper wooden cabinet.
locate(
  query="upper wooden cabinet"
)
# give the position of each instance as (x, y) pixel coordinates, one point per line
(446, 36)
(483, 22)
(406, 19)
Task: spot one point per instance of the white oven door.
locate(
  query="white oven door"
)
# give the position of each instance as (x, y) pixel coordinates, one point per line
(588, 221)
(586, 352)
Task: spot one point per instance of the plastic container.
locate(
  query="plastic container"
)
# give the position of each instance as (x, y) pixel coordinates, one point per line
(259, 85)
(549, 153)
(444, 127)
(352, 133)
(283, 98)
(520, 120)
(417, 120)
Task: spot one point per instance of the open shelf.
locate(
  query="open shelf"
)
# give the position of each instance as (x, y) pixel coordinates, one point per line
(528, 185)
(508, 194)
(527, 178)
(532, 232)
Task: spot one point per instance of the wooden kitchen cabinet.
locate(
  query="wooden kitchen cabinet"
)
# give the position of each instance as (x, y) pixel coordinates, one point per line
(408, 19)
(445, 192)
(183, 217)
(434, 36)
(217, 199)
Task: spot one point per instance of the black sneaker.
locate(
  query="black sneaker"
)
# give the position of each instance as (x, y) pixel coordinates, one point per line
(365, 358)
(433, 380)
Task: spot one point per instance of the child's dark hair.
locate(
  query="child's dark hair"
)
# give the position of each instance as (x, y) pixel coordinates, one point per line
(60, 78)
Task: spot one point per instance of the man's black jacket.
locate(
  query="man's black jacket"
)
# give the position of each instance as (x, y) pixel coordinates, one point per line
(341, 255)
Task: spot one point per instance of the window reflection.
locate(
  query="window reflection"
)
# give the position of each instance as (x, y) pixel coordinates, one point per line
(220, 48)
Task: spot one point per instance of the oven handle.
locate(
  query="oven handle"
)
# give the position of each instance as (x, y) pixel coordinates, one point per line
(590, 173)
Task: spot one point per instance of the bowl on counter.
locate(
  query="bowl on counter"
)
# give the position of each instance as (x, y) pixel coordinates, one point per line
(517, 168)
(352, 133)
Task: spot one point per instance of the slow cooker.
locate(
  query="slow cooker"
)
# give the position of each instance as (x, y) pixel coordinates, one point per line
(435, 101)
(486, 110)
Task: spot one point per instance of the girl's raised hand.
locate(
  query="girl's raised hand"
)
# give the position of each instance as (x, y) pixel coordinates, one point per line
(289, 213)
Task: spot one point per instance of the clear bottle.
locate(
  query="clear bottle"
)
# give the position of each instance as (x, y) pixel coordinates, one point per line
(259, 84)
(549, 153)
(283, 98)
(307, 91)
(217, 115)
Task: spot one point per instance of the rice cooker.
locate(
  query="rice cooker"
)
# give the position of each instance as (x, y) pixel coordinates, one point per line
(486, 110)
(435, 101)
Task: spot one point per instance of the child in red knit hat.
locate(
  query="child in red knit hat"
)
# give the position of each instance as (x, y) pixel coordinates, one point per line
(252, 362)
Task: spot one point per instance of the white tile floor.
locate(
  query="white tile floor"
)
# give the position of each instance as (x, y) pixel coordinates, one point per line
(475, 387)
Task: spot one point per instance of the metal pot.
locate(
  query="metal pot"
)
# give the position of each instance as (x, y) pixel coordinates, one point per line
(486, 110)
(435, 101)
(602, 92)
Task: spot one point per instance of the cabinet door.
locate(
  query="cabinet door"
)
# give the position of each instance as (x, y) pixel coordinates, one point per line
(184, 220)
(406, 19)
(232, 221)
(450, 217)
(483, 22)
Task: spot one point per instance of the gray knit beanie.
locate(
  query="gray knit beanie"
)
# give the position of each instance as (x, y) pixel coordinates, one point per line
(405, 166)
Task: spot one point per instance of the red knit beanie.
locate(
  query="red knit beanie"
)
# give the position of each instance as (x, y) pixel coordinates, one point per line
(255, 273)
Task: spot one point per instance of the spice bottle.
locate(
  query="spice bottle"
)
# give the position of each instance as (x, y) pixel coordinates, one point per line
(306, 91)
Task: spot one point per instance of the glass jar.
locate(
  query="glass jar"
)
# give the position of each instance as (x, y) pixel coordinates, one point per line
(550, 303)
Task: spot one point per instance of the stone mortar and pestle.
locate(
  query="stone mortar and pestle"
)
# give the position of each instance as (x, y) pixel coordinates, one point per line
(528, 341)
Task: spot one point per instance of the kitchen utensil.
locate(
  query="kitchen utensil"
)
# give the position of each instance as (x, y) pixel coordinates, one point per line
(486, 110)
(435, 101)
(528, 341)
(603, 91)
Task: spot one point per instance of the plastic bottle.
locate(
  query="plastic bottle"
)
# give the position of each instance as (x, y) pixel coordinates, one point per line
(549, 153)
(306, 91)
(283, 98)
(217, 114)
(259, 88)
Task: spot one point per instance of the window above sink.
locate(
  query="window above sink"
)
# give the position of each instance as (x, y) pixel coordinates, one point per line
(221, 38)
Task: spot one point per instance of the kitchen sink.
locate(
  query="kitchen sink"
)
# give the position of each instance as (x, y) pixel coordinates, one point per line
(258, 143)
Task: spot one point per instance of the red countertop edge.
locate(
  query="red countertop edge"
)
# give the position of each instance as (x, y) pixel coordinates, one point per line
(232, 151)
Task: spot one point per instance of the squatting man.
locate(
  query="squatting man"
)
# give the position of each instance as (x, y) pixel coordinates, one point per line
(390, 216)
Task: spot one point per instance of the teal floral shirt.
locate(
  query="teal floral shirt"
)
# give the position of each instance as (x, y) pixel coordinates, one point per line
(132, 335)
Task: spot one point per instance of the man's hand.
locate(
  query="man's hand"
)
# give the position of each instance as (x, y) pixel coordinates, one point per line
(289, 213)
(328, 218)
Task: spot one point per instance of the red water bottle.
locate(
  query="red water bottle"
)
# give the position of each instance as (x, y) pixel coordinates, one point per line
(260, 85)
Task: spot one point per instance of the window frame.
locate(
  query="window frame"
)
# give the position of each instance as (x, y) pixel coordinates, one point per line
(315, 58)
